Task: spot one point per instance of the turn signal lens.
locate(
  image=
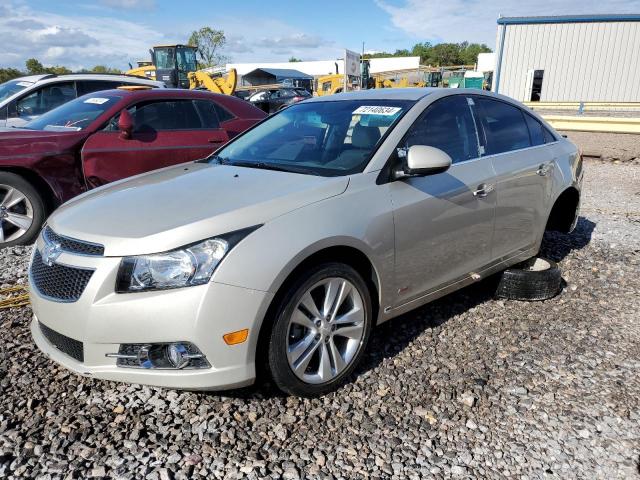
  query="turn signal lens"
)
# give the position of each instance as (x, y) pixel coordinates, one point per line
(235, 338)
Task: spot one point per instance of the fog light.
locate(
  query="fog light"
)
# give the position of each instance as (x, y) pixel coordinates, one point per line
(167, 356)
(177, 354)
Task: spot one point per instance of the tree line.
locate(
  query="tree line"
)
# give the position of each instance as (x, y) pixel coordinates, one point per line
(441, 54)
(34, 67)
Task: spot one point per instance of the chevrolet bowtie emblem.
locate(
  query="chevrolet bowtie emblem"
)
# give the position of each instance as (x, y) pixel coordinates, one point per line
(50, 252)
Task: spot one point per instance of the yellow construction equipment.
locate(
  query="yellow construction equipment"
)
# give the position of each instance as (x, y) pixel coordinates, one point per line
(422, 77)
(330, 84)
(225, 85)
(177, 67)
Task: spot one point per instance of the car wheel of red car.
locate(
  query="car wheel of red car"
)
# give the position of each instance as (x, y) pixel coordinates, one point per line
(22, 211)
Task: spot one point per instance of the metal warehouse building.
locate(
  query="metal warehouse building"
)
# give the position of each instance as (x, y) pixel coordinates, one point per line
(583, 58)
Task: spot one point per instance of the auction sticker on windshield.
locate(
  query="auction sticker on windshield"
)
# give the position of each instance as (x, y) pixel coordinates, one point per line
(96, 101)
(376, 110)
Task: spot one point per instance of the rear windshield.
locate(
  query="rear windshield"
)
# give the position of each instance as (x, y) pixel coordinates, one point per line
(75, 115)
(321, 138)
(11, 87)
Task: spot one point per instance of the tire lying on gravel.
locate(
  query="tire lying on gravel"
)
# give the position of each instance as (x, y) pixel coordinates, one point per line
(535, 279)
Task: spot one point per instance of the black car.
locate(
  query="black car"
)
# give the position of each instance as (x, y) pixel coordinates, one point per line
(276, 99)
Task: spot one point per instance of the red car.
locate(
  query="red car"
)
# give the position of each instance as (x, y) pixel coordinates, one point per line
(103, 137)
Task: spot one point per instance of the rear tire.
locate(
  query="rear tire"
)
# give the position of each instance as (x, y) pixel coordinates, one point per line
(22, 211)
(320, 332)
(534, 279)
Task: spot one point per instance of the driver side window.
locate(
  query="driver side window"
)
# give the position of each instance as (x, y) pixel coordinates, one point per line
(448, 125)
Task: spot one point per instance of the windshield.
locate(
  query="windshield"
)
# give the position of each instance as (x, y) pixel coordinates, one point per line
(321, 138)
(75, 115)
(187, 59)
(13, 86)
(165, 58)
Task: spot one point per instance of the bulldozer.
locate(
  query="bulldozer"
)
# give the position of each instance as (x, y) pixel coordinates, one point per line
(177, 67)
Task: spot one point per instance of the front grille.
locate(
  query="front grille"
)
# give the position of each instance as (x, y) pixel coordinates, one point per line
(71, 245)
(58, 282)
(67, 345)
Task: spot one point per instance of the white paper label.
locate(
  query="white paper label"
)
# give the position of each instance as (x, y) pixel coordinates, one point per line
(376, 110)
(96, 101)
(24, 84)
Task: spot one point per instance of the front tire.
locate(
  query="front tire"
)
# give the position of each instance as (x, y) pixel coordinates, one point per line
(321, 329)
(22, 211)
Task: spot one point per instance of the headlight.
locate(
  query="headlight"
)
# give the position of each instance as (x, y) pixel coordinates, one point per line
(184, 267)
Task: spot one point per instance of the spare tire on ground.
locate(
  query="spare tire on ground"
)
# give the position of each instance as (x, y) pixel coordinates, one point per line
(535, 279)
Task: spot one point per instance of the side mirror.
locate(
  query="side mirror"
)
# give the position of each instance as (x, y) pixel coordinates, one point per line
(125, 125)
(426, 160)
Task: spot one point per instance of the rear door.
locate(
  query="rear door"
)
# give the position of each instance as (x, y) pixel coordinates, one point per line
(166, 132)
(443, 222)
(523, 165)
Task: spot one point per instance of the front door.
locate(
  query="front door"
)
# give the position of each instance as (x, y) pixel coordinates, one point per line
(523, 164)
(443, 222)
(166, 132)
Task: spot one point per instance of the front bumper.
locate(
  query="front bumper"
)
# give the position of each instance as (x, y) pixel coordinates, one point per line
(102, 320)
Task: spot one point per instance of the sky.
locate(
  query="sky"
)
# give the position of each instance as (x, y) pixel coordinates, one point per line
(81, 34)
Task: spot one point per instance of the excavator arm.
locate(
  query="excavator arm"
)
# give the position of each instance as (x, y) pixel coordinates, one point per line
(225, 85)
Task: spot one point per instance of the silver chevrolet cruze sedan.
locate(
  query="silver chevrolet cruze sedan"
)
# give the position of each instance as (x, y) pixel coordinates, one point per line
(284, 248)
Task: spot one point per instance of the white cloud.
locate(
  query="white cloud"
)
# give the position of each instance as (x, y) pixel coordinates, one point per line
(73, 41)
(475, 20)
(95, 36)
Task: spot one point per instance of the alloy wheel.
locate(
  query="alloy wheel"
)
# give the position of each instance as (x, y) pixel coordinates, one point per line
(326, 330)
(16, 214)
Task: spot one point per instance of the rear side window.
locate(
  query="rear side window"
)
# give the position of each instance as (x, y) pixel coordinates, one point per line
(208, 113)
(504, 125)
(548, 136)
(90, 86)
(223, 113)
(449, 126)
(535, 130)
(165, 115)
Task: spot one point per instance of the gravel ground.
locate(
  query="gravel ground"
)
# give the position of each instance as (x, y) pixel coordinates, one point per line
(467, 387)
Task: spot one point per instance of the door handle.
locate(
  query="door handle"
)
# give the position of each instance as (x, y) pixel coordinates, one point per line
(543, 169)
(215, 140)
(483, 190)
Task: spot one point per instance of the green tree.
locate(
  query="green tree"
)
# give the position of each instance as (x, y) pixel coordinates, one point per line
(34, 67)
(209, 43)
(469, 54)
(294, 59)
(104, 69)
(7, 74)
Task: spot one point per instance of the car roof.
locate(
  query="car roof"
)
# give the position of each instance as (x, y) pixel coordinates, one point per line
(159, 93)
(46, 78)
(378, 94)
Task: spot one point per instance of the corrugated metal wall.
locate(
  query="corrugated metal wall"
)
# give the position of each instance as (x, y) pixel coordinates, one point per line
(581, 61)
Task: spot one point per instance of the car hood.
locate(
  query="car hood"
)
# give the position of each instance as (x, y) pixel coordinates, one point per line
(176, 206)
(17, 142)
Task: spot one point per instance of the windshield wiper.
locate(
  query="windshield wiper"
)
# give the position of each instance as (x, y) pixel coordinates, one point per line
(214, 158)
(273, 166)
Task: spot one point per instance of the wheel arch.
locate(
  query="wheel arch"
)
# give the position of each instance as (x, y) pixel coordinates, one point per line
(49, 197)
(339, 252)
(564, 211)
